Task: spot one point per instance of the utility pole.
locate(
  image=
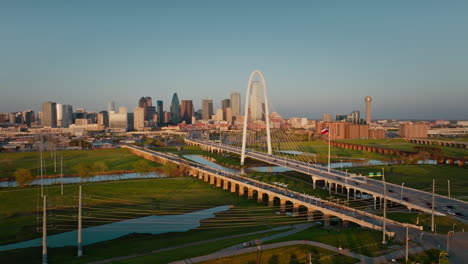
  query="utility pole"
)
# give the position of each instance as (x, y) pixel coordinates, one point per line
(44, 232)
(329, 143)
(80, 249)
(61, 173)
(42, 171)
(384, 207)
(433, 199)
(448, 186)
(407, 242)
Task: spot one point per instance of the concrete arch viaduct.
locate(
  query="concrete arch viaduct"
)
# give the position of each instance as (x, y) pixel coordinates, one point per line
(315, 208)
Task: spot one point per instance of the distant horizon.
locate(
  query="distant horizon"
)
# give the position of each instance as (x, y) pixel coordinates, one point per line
(317, 57)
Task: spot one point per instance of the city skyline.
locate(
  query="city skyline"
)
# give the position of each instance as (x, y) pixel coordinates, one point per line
(316, 57)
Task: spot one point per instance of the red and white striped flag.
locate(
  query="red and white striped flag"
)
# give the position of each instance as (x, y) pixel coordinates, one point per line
(324, 131)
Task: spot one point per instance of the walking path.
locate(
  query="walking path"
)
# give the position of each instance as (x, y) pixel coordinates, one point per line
(295, 229)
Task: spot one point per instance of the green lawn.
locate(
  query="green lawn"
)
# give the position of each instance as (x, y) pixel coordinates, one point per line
(420, 177)
(291, 254)
(115, 159)
(443, 223)
(359, 240)
(430, 256)
(114, 201)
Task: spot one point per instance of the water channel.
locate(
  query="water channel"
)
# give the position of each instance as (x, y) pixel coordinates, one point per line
(97, 178)
(149, 225)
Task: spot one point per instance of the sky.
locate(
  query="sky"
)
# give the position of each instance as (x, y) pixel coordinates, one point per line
(317, 56)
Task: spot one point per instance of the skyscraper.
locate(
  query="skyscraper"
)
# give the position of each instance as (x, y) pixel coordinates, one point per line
(147, 104)
(138, 118)
(225, 103)
(368, 101)
(67, 115)
(111, 106)
(235, 104)
(49, 118)
(186, 111)
(28, 117)
(255, 105)
(160, 111)
(207, 109)
(59, 115)
(175, 109)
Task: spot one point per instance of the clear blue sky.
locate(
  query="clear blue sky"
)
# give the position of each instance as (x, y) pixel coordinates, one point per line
(317, 56)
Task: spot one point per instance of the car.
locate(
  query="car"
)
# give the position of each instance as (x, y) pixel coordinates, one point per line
(390, 190)
(406, 199)
(450, 212)
(450, 207)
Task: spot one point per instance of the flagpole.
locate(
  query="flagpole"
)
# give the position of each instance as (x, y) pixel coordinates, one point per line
(329, 137)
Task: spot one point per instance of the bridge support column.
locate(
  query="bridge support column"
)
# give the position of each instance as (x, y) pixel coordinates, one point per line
(345, 223)
(336, 188)
(310, 215)
(225, 185)
(233, 187)
(375, 203)
(271, 200)
(381, 200)
(200, 175)
(295, 210)
(241, 190)
(250, 194)
(205, 177)
(326, 220)
(218, 182)
(313, 183)
(329, 187)
(259, 197)
(282, 207)
(347, 193)
(212, 180)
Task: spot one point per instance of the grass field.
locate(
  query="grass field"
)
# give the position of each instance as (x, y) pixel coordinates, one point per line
(401, 144)
(420, 177)
(443, 223)
(359, 240)
(115, 159)
(293, 254)
(114, 201)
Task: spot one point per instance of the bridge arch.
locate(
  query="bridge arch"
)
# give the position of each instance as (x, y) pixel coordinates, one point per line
(246, 113)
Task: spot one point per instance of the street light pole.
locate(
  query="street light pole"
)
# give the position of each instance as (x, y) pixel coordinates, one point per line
(433, 193)
(385, 207)
(448, 186)
(448, 239)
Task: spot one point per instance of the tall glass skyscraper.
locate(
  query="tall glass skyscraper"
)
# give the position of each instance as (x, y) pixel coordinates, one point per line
(160, 111)
(175, 109)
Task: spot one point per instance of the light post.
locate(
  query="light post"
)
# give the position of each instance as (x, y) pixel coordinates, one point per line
(401, 196)
(448, 239)
(308, 167)
(453, 227)
(315, 159)
(385, 207)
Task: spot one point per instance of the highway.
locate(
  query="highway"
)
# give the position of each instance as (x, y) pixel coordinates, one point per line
(338, 210)
(415, 199)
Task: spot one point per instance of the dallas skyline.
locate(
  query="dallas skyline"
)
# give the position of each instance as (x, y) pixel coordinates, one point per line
(316, 57)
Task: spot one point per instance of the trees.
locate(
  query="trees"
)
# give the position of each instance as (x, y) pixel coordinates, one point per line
(23, 177)
(84, 170)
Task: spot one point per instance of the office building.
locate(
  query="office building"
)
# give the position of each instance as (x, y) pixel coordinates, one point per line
(103, 119)
(256, 102)
(111, 106)
(186, 111)
(413, 130)
(49, 114)
(207, 109)
(28, 117)
(160, 111)
(235, 104)
(67, 116)
(225, 103)
(326, 117)
(119, 121)
(175, 110)
(139, 118)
